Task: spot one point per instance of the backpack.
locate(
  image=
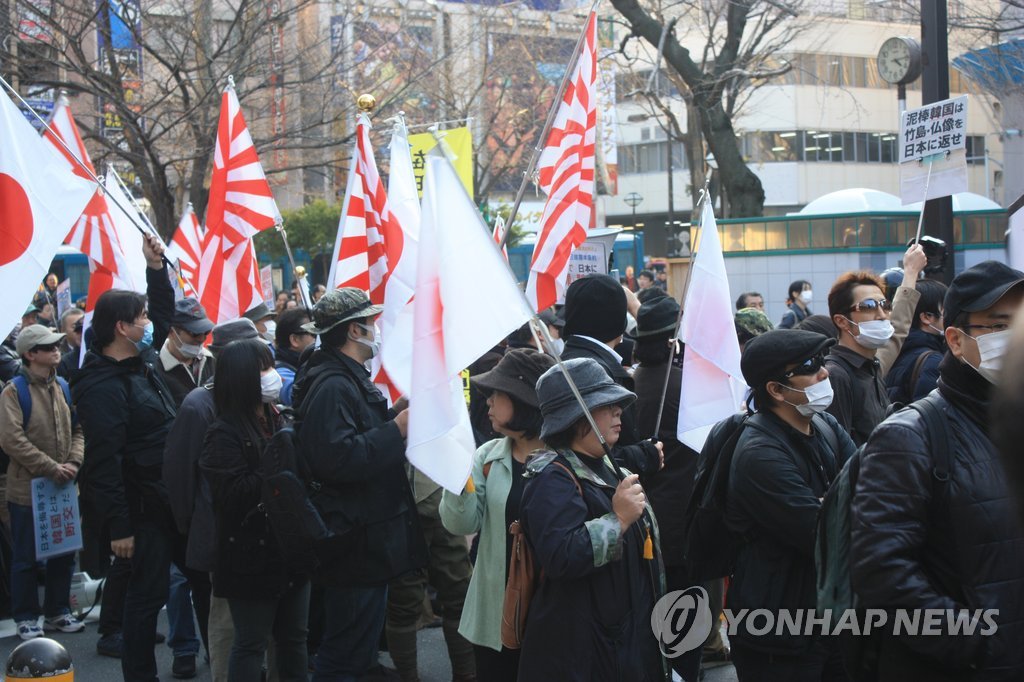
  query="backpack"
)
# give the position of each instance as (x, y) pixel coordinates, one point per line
(904, 392)
(522, 579)
(832, 541)
(25, 400)
(295, 523)
(710, 545)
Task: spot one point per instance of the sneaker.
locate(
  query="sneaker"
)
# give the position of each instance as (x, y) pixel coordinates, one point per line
(110, 645)
(184, 667)
(65, 623)
(29, 629)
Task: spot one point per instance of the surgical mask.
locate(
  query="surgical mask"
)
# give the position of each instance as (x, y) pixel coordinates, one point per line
(189, 350)
(819, 397)
(271, 332)
(806, 296)
(559, 346)
(874, 333)
(270, 386)
(992, 348)
(147, 337)
(373, 344)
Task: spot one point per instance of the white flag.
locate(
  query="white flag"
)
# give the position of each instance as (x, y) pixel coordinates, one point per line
(712, 386)
(466, 301)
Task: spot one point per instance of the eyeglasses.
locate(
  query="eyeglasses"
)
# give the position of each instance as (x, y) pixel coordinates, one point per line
(1001, 327)
(808, 367)
(870, 305)
(49, 348)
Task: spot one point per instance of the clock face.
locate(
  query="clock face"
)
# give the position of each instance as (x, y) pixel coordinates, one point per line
(894, 60)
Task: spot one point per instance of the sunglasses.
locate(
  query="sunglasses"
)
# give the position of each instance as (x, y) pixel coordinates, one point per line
(49, 348)
(870, 305)
(808, 367)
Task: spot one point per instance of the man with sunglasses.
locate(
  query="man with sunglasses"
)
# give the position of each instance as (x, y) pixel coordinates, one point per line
(786, 456)
(932, 534)
(71, 350)
(860, 312)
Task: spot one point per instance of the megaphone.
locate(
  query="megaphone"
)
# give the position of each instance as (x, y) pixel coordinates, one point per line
(86, 593)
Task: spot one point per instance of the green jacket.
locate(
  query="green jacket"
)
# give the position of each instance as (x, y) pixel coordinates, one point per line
(483, 511)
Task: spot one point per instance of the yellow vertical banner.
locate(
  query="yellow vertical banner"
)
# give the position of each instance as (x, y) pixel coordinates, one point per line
(461, 142)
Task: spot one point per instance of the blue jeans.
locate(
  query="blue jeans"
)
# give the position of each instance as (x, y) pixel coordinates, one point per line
(24, 569)
(353, 621)
(181, 628)
(255, 621)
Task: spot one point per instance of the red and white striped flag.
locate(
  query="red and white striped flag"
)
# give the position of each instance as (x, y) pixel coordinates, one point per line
(241, 204)
(567, 176)
(187, 246)
(499, 234)
(368, 235)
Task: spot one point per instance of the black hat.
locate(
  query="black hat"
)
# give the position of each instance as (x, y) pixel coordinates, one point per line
(766, 357)
(650, 294)
(258, 312)
(233, 330)
(978, 288)
(657, 317)
(558, 403)
(595, 306)
(516, 374)
(191, 317)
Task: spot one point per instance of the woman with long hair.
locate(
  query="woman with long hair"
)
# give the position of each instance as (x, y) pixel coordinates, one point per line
(265, 596)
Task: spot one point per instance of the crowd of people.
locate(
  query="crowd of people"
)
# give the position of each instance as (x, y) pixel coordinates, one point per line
(165, 421)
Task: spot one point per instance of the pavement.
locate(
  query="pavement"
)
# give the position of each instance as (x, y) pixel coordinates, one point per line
(91, 667)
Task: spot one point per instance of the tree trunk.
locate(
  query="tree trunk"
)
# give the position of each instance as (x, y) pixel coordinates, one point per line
(746, 195)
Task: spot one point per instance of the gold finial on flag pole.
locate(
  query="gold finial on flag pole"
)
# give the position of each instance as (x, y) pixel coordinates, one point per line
(366, 103)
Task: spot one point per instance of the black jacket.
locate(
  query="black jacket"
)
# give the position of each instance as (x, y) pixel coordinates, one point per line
(630, 451)
(249, 564)
(776, 482)
(917, 543)
(126, 412)
(10, 363)
(861, 401)
(356, 455)
(69, 359)
(793, 316)
(917, 343)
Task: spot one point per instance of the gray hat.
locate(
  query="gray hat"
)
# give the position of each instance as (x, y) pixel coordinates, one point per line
(340, 305)
(235, 330)
(36, 335)
(559, 406)
(190, 316)
(258, 312)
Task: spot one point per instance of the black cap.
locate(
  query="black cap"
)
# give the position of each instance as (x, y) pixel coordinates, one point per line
(595, 306)
(978, 288)
(516, 374)
(190, 316)
(766, 357)
(657, 317)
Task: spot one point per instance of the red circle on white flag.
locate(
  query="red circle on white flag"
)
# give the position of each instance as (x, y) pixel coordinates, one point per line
(15, 220)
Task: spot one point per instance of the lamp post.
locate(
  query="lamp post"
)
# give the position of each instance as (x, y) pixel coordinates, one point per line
(633, 200)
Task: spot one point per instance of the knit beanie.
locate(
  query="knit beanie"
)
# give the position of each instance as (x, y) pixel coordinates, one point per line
(595, 306)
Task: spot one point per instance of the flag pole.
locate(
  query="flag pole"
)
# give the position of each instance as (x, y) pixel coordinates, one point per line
(298, 272)
(446, 151)
(92, 175)
(555, 104)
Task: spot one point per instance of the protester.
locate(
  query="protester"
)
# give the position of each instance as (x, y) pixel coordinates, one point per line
(71, 349)
(126, 411)
(904, 300)
(191, 500)
(184, 361)
(10, 363)
(1006, 408)
(798, 302)
(861, 314)
(916, 371)
(280, 302)
(645, 280)
(750, 322)
(750, 299)
(661, 279)
(928, 533)
(493, 504)
(48, 443)
(595, 319)
(290, 340)
(589, 619)
(318, 291)
(47, 294)
(263, 317)
(786, 456)
(266, 597)
(819, 324)
(354, 447)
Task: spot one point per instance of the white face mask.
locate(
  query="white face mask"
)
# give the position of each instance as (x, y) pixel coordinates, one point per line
(271, 330)
(806, 296)
(819, 397)
(373, 344)
(874, 333)
(992, 348)
(270, 386)
(189, 350)
(559, 346)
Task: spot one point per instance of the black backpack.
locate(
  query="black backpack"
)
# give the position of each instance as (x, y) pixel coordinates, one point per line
(294, 521)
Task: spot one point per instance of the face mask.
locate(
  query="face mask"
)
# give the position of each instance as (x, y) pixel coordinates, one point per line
(819, 397)
(187, 349)
(271, 332)
(992, 348)
(873, 334)
(147, 337)
(373, 344)
(559, 346)
(270, 386)
(806, 296)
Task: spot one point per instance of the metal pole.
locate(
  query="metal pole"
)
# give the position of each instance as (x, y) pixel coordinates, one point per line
(938, 213)
(547, 126)
(295, 270)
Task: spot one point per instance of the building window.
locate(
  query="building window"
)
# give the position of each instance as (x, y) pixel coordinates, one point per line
(975, 148)
(829, 146)
(650, 157)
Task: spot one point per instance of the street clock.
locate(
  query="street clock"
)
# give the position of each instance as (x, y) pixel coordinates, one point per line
(899, 60)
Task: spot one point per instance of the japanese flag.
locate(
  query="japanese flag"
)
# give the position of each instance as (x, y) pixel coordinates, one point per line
(40, 201)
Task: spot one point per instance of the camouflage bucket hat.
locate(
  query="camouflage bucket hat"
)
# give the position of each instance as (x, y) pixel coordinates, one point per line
(340, 305)
(753, 322)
